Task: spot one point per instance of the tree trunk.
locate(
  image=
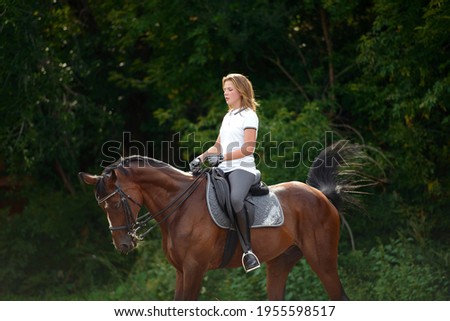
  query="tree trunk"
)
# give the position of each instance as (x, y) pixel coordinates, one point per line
(329, 44)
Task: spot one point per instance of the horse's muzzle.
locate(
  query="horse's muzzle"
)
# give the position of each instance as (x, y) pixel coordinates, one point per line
(126, 245)
(124, 248)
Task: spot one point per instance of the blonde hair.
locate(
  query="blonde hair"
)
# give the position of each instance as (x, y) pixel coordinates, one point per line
(245, 88)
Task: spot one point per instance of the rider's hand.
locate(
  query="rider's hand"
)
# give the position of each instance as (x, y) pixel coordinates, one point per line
(214, 160)
(195, 165)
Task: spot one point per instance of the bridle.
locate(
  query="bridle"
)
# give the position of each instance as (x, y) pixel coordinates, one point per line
(130, 222)
(132, 226)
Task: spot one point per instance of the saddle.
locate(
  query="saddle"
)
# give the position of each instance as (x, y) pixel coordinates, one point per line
(263, 207)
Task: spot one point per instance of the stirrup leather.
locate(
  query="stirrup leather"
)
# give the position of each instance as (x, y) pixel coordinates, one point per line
(251, 268)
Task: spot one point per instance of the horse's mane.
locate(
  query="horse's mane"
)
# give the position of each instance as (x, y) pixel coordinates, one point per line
(125, 163)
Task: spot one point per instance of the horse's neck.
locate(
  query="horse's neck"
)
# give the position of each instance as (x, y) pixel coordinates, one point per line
(161, 187)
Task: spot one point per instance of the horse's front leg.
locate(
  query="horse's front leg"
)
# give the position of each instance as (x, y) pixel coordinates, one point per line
(188, 284)
(179, 286)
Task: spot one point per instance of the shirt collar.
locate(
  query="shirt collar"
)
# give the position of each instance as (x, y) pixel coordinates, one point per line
(238, 111)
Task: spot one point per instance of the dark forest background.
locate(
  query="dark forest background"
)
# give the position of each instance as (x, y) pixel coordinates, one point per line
(83, 82)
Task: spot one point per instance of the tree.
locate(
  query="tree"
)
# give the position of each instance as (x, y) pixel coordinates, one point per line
(402, 101)
(49, 113)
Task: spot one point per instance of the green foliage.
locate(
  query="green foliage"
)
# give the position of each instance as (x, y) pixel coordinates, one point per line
(290, 141)
(405, 73)
(58, 246)
(234, 284)
(407, 85)
(398, 270)
(48, 121)
(304, 285)
(152, 277)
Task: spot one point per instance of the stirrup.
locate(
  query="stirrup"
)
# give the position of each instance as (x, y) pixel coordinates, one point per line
(253, 265)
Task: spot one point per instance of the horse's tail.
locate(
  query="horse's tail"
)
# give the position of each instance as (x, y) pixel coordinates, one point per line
(333, 173)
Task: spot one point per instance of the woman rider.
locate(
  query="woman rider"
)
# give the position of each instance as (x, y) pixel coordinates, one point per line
(236, 143)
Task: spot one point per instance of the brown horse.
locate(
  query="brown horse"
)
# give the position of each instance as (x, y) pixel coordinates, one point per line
(194, 244)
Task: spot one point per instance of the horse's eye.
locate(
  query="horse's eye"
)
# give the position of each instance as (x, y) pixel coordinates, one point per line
(113, 205)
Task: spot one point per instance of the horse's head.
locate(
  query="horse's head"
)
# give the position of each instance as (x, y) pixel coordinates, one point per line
(121, 200)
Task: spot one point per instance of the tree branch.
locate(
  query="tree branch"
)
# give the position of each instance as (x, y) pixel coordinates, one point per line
(65, 179)
(277, 63)
(303, 59)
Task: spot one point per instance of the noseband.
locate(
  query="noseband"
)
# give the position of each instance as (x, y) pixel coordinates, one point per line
(133, 226)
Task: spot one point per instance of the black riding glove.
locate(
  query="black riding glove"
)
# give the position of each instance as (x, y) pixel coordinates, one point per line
(195, 166)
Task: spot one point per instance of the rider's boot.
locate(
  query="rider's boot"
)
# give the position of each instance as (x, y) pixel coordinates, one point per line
(249, 260)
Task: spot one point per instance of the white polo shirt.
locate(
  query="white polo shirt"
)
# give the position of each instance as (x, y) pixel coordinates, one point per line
(232, 137)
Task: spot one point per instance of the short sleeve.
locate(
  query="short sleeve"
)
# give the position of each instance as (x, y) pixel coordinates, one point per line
(251, 120)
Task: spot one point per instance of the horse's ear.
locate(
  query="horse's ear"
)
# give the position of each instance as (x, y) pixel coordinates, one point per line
(88, 178)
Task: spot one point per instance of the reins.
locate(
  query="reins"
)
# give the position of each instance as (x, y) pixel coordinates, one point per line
(133, 226)
(144, 219)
